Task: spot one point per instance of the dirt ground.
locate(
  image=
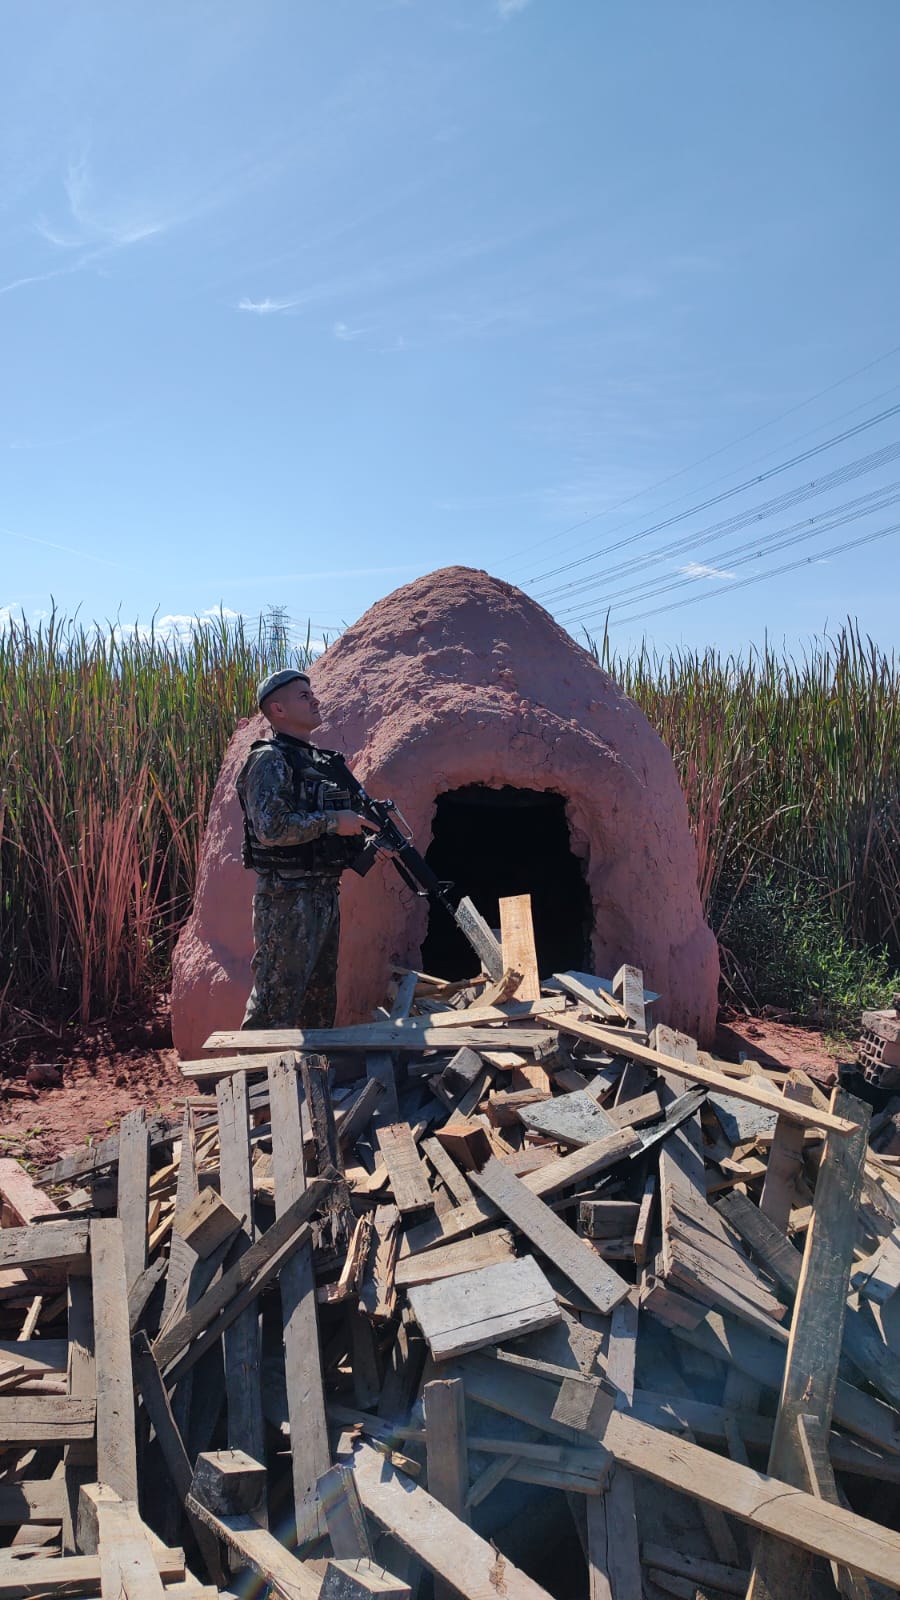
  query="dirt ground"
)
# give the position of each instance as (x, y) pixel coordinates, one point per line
(62, 1089)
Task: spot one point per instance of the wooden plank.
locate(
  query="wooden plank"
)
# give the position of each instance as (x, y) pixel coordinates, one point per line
(811, 1367)
(628, 986)
(133, 1187)
(238, 1286)
(473, 1309)
(41, 1575)
(571, 1119)
(380, 1069)
(259, 1549)
(448, 1172)
(45, 1419)
(127, 1559)
(63, 1245)
(505, 1011)
(623, 1044)
(149, 1383)
(517, 941)
(597, 1000)
(338, 1495)
(409, 1038)
(763, 1502)
(35, 1501)
(208, 1221)
(440, 1540)
(487, 948)
(785, 1161)
(572, 1256)
(116, 1440)
(21, 1201)
(96, 1157)
(310, 1452)
(447, 1261)
(407, 1174)
(447, 1462)
(80, 1459)
(241, 1347)
(613, 1551)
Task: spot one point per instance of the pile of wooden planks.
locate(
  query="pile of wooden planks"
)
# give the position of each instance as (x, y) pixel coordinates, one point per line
(509, 1292)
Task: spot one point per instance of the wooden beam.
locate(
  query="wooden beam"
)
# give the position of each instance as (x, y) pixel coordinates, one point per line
(447, 1457)
(63, 1245)
(133, 1190)
(453, 1552)
(517, 941)
(310, 1453)
(241, 1347)
(343, 1514)
(572, 1256)
(407, 1174)
(237, 1287)
(39, 1500)
(487, 948)
(764, 1503)
(45, 1419)
(72, 1575)
(811, 1367)
(466, 1312)
(116, 1439)
(128, 1568)
(410, 1038)
(623, 1044)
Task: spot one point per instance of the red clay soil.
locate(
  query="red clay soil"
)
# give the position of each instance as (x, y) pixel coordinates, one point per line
(62, 1090)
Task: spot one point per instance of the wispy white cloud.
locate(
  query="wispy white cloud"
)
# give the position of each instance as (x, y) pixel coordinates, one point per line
(269, 307)
(346, 334)
(697, 569)
(128, 226)
(508, 8)
(67, 549)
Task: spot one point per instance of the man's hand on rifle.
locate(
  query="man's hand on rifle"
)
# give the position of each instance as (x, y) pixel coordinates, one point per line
(350, 823)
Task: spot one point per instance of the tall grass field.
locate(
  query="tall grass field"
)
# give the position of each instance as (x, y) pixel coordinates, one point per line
(111, 740)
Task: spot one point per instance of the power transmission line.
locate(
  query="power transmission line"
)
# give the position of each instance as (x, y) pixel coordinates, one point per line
(693, 543)
(727, 494)
(775, 572)
(848, 377)
(813, 528)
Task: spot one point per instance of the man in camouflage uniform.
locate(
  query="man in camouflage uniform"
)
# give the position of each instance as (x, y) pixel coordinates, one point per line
(300, 833)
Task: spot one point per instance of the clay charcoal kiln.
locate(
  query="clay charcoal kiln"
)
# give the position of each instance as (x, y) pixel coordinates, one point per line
(520, 766)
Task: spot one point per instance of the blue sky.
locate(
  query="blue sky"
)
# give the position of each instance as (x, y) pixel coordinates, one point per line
(299, 300)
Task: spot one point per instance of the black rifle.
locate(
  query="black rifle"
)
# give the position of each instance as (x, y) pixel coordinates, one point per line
(393, 837)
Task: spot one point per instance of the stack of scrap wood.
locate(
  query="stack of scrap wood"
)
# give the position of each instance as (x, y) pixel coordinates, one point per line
(510, 1292)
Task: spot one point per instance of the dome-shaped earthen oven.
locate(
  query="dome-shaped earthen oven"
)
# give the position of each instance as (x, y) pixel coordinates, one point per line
(520, 767)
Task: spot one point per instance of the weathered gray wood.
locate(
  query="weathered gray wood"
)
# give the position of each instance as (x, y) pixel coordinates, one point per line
(572, 1256)
(613, 1550)
(133, 1189)
(149, 1384)
(245, 1415)
(116, 1440)
(41, 1501)
(738, 1088)
(229, 1482)
(474, 1309)
(259, 1549)
(447, 1261)
(765, 1503)
(487, 948)
(45, 1419)
(407, 1037)
(162, 1131)
(452, 1551)
(785, 1160)
(811, 1367)
(208, 1221)
(310, 1453)
(453, 1180)
(408, 1177)
(62, 1245)
(127, 1559)
(81, 1457)
(361, 1579)
(628, 986)
(238, 1287)
(380, 1069)
(447, 1462)
(343, 1513)
(72, 1575)
(573, 1119)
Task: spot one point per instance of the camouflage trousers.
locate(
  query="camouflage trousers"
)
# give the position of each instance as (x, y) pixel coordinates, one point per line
(295, 940)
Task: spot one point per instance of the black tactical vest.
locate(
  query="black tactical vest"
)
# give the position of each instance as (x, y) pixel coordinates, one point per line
(315, 789)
